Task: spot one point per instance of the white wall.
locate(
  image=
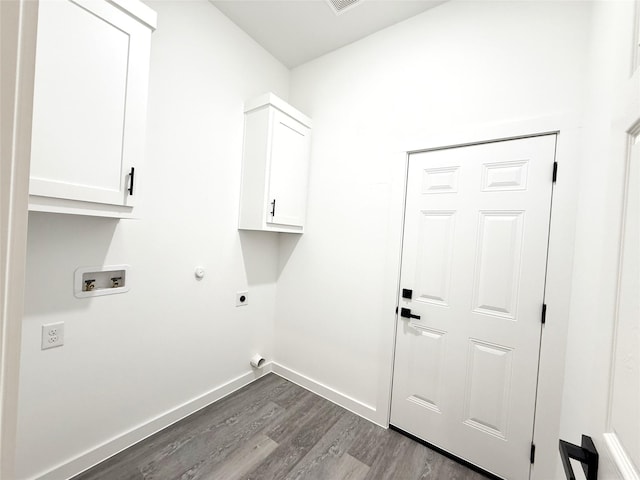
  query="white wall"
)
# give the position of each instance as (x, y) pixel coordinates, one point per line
(459, 67)
(130, 358)
(609, 109)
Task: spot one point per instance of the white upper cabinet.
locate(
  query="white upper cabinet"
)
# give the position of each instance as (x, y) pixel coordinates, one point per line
(90, 102)
(275, 166)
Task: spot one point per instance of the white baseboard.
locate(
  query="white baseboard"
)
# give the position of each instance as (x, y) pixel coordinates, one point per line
(115, 445)
(620, 458)
(355, 406)
(111, 447)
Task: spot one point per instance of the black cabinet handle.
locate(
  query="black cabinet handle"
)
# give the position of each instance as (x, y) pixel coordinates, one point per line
(131, 174)
(406, 313)
(273, 208)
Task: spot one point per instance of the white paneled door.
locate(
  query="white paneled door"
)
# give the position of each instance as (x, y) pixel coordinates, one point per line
(474, 259)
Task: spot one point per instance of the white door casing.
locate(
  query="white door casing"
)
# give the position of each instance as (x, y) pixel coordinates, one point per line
(623, 437)
(18, 30)
(474, 255)
(622, 432)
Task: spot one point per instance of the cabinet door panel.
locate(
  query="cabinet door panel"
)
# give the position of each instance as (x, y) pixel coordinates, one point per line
(82, 102)
(288, 172)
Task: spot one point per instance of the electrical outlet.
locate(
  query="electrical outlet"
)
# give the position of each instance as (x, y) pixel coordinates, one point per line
(52, 335)
(242, 299)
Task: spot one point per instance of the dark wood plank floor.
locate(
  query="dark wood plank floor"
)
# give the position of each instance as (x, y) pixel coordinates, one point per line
(276, 430)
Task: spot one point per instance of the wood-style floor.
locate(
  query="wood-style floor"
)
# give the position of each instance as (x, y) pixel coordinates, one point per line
(276, 430)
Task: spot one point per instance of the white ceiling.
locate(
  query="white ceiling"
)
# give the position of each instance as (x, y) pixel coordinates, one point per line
(296, 31)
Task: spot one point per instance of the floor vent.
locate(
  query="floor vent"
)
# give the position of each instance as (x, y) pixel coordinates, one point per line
(339, 6)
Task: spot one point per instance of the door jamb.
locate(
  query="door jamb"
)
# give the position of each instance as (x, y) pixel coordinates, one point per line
(19, 25)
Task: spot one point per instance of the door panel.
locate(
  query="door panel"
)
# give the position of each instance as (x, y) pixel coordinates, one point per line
(475, 246)
(433, 274)
(488, 386)
(428, 347)
(498, 257)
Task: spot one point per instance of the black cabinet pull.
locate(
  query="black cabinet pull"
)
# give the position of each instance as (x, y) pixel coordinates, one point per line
(131, 173)
(586, 454)
(406, 313)
(273, 208)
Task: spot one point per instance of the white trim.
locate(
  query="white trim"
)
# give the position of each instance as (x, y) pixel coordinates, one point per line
(558, 299)
(392, 285)
(625, 120)
(111, 447)
(502, 130)
(18, 38)
(633, 134)
(267, 99)
(355, 406)
(139, 11)
(620, 458)
(76, 207)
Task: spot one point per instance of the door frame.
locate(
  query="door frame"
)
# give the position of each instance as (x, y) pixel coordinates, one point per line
(19, 24)
(559, 263)
(619, 456)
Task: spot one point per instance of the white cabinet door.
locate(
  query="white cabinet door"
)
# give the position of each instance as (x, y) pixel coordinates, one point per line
(288, 171)
(474, 256)
(89, 102)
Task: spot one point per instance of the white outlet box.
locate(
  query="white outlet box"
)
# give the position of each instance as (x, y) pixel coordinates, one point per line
(105, 280)
(242, 299)
(52, 335)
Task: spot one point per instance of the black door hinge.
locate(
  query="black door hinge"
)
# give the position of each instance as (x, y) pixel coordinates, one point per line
(555, 171)
(532, 456)
(543, 318)
(396, 310)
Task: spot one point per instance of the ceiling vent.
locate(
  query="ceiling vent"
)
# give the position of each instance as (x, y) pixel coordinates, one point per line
(340, 6)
